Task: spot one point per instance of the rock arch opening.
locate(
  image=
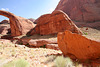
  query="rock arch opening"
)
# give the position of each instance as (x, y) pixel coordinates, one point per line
(4, 25)
(18, 25)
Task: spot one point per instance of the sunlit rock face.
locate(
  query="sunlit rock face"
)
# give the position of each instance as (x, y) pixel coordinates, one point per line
(53, 23)
(78, 47)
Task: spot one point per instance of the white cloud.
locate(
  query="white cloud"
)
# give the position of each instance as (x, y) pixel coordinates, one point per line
(2, 9)
(5, 9)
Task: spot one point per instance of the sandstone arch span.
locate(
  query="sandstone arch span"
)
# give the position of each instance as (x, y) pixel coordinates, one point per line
(19, 25)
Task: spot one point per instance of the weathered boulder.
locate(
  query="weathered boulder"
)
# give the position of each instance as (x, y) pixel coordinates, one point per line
(52, 46)
(53, 23)
(37, 42)
(81, 10)
(41, 42)
(9, 37)
(77, 46)
(46, 43)
(19, 25)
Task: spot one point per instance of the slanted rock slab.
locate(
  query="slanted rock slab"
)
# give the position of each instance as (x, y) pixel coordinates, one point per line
(77, 46)
(45, 43)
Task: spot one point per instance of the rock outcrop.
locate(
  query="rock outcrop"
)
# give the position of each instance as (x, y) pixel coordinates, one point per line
(81, 10)
(45, 43)
(5, 22)
(41, 42)
(77, 46)
(53, 23)
(19, 25)
(4, 27)
(31, 19)
(4, 30)
(3, 41)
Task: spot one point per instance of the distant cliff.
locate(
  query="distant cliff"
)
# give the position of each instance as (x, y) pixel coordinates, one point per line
(81, 10)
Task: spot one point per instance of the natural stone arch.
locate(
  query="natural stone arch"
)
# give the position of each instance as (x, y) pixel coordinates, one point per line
(19, 25)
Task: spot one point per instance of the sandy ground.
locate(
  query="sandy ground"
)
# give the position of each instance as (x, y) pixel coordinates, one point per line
(37, 57)
(91, 33)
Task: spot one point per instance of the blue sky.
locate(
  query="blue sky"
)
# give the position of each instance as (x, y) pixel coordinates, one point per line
(28, 8)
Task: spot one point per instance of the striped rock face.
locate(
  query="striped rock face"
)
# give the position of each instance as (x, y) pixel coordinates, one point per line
(82, 11)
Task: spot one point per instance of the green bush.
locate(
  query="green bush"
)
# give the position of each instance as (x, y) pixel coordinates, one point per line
(17, 63)
(60, 61)
(44, 46)
(85, 33)
(28, 35)
(27, 44)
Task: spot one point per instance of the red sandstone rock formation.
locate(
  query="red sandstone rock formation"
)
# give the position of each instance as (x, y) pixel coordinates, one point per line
(5, 41)
(47, 43)
(52, 46)
(4, 30)
(19, 25)
(4, 27)
(5, 22)
(53, 23)
(77, 46)
(41, 42)
(31, 19)
(81, 10)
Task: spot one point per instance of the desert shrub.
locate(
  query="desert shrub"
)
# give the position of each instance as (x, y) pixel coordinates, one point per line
(50, 58)
(21, 43)
(85, 33)
(17, 63)
(28, 35)
(44, 46)
(60, 61)
(27, 44)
